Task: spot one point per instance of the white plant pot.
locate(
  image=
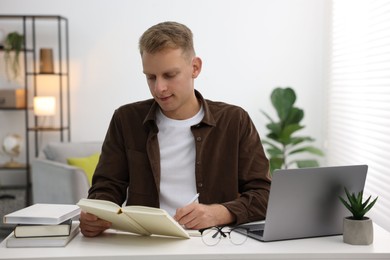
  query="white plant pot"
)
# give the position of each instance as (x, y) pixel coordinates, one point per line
(358, 232)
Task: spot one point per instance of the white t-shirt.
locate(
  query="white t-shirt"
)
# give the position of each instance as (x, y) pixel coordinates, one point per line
(177, 153)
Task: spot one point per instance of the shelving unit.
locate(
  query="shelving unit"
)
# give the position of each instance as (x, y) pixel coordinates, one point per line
(39, 31)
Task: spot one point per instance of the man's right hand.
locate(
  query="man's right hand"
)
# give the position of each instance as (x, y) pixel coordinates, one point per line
(92, 226)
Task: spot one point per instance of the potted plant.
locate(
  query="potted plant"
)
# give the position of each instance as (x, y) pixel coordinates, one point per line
(13, 43)
(281, 144)
(357, 229)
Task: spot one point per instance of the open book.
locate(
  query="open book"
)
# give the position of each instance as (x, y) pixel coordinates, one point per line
(136, 219)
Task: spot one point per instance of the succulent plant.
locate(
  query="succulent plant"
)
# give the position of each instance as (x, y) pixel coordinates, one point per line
(355, 204)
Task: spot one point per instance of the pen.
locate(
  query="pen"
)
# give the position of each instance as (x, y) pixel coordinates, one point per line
(194, 199)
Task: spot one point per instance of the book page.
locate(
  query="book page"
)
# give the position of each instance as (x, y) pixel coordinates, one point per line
(144, 209)
(155, 221)
(111, 212)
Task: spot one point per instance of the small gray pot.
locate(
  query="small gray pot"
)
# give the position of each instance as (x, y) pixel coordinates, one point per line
(358, 232)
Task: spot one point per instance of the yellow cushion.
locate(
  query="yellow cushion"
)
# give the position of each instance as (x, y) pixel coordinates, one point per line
(88, 164)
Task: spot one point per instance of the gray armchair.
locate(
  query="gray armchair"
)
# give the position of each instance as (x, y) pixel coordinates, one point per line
(54, 180)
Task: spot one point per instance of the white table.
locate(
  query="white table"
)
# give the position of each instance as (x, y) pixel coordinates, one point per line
(119, 245)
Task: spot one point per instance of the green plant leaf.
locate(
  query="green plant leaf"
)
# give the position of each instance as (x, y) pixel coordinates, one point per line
(274, 137)
(268, 142)
(309, 149)
(295, 116)
(13, 43)
(301, 139)
(307, 163)
(275, 128)
(275, 152)
(283, 100)
(267, 116)
(366, 202)
(275, 163)
(346, 204)
(285, 135)
(366, 209)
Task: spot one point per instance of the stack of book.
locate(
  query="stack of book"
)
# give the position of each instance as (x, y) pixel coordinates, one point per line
(43, 225)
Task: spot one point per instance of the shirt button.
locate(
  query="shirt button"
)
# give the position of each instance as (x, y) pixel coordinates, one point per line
(199, 139)
(200, 185)
(198, 163)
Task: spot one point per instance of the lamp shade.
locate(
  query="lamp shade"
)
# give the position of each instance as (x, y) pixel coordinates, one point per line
(44, 106)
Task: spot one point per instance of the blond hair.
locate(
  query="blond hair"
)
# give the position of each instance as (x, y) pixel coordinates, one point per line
(167, 35)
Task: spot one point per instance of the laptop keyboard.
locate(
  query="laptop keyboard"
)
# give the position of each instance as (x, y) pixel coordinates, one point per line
(257, 232)
(255, 229)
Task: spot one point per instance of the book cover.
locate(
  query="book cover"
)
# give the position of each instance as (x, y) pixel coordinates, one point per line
(49, 214)
(136, 219)
(60, 241)
(25, 230)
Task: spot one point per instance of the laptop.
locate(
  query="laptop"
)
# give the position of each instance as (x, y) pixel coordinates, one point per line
(304, 202)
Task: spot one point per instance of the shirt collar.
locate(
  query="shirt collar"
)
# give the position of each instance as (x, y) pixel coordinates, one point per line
(208, 118)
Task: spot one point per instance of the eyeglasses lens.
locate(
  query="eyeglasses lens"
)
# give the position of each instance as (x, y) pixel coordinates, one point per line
(238, 235)
(211, 236)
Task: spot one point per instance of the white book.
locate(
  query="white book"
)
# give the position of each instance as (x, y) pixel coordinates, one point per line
(49, 214)
(38, 230)
(60, 241)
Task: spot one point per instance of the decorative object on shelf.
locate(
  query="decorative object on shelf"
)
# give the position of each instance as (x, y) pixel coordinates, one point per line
(282, 144)
(357, 229)
(44, 106)
(2, 37)
(12, 145)
(46, 64)
(13, 43)
(12, 98)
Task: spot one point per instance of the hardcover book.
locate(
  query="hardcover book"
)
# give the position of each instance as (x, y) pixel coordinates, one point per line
(59, 241)
(25, 230)
(136, 219)
(48, 214)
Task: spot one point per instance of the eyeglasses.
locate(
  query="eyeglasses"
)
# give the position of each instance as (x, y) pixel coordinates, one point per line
(212, 236)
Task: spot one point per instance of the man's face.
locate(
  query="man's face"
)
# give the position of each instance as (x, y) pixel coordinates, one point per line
(170, 76)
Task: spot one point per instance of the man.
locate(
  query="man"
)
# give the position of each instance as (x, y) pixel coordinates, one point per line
(163, 151)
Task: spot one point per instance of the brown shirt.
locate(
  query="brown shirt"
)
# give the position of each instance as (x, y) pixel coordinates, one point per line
(231, 167)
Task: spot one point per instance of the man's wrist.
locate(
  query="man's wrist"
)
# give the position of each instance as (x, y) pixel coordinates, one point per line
(224, 216)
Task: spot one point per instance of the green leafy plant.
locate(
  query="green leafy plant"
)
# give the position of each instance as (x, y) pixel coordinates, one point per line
(356, 206)
(13, 43)
(281, 144)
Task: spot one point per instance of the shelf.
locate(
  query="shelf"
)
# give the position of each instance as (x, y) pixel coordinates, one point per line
(13, 108)
(41, 129)
(18, 168)
(12, 187)
(46, 74)
(58, 36)
(5, 16)
(21, 51)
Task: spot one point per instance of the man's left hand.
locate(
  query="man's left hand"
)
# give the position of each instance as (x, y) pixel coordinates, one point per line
(198, 216)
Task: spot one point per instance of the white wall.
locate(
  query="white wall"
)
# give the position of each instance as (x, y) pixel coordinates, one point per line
(248, 47)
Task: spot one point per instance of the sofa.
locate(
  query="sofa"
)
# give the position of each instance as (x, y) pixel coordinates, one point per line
(55, 180)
